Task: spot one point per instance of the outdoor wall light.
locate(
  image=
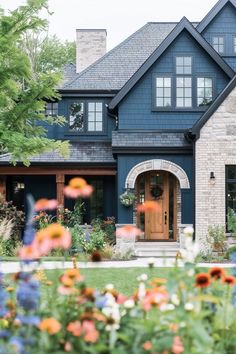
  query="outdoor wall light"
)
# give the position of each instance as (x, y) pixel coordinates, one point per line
(212, 178)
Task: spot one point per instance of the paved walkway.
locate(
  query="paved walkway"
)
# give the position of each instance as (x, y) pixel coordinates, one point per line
(13, 267)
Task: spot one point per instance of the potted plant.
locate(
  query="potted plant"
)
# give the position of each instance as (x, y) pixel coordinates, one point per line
(127, 198)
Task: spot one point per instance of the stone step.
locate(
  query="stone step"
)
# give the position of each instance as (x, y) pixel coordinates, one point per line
(157, 249)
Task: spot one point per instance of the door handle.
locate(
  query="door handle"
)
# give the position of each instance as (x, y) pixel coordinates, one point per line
(165, 217)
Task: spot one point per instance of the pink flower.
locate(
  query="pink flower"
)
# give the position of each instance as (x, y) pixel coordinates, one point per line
(177, 346)
(128, 231)
(29, 252)
(45, 204)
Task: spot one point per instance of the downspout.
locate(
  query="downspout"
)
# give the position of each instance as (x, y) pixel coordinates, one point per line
(112, 115)
(189, 136)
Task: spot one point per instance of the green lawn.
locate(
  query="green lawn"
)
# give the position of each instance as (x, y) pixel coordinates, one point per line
(124, 279)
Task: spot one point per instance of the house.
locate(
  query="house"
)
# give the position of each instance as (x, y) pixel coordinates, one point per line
(156, 115)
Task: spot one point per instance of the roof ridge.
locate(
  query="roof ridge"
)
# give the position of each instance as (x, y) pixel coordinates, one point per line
(107, 54)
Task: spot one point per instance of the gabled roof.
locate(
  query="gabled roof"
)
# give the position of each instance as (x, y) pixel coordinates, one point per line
(195, 130)
(213, 12)
(115, 68)
(184, 24)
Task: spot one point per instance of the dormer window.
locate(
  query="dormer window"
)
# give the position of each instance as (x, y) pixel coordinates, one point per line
(219, 44)
(85, 116)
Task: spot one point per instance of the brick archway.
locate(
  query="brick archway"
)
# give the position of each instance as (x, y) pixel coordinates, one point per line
(157, 164)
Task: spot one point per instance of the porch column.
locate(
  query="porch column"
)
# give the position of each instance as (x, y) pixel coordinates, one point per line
(60, 180)
(3, 187)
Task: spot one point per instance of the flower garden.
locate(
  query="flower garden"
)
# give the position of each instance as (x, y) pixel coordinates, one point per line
(189, 311)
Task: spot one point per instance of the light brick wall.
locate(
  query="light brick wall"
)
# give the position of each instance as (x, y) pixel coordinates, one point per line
(215, 149)
(90, 46)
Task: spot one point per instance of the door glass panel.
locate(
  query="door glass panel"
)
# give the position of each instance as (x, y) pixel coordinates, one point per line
(141, 199)
(171, 207)
(156, 186)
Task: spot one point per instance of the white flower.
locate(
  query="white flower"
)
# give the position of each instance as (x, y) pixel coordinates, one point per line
(188, 231)
(141, 291)
(129, 304)
(151, 261)
(142, 277)
(175, 300)
(190, 272)
(182, 324)
(109, 287)
(167, 307)
(189, 306)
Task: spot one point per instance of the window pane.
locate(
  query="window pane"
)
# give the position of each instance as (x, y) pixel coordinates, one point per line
(167, 82)
(99, 106)
(99, 116)
(99, 126)
(188, 82)
(91, 117)
(179, 70)
(204, 91)
(188, 92)
(188, 102)
(167, 102)
(208, 82)
(167, 92)
(91, 126)
(208, 92)
(159, 102)
(91, 106)
(179, 61)
(231, 172)
(187, 70)
(188, 61)
(180, 102)
(160, 92)
(180, 92)
(180, 81)
(76, 117)
(200, 82)
(159, 81)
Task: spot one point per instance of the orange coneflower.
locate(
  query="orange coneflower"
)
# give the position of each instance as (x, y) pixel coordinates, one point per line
(75, 328)
(58, 236)
(229, 280)
(78, 187)
(73, 274)
(45, 204)
(50, 325)
(216, 273)
(202, 280)
(128, 231)
(148, 206)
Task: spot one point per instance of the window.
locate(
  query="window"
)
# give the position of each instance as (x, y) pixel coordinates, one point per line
(51, 109)
(95, 116)
(218, 44)
(183, 65)
(163, 91)
(204, 91)
(234, 44)
(231, 188)
(76, 117)
(184, 92)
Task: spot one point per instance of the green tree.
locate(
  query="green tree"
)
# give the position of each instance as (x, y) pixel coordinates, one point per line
(23, 94)
(48, 53)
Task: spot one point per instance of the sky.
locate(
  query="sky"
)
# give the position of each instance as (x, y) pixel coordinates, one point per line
(120, 17)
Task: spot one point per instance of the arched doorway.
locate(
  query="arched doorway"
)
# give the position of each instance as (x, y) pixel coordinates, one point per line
(161, 187)
(159, 180)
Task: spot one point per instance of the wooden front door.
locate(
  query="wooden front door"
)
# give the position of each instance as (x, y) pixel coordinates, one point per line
(159, 186)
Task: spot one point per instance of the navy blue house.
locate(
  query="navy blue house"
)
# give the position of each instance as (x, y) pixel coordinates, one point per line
(134, 119)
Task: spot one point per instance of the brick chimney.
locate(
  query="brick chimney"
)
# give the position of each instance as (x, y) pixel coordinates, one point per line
(90, 46)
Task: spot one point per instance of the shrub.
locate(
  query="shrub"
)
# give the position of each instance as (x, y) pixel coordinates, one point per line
(216, 238)
(9, 213)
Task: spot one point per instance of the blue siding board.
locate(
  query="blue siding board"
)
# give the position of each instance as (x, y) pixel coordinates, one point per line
(135, 111)
(126, 162)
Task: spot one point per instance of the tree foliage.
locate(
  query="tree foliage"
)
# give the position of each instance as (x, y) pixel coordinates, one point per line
(48, 53)
(23, 94)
